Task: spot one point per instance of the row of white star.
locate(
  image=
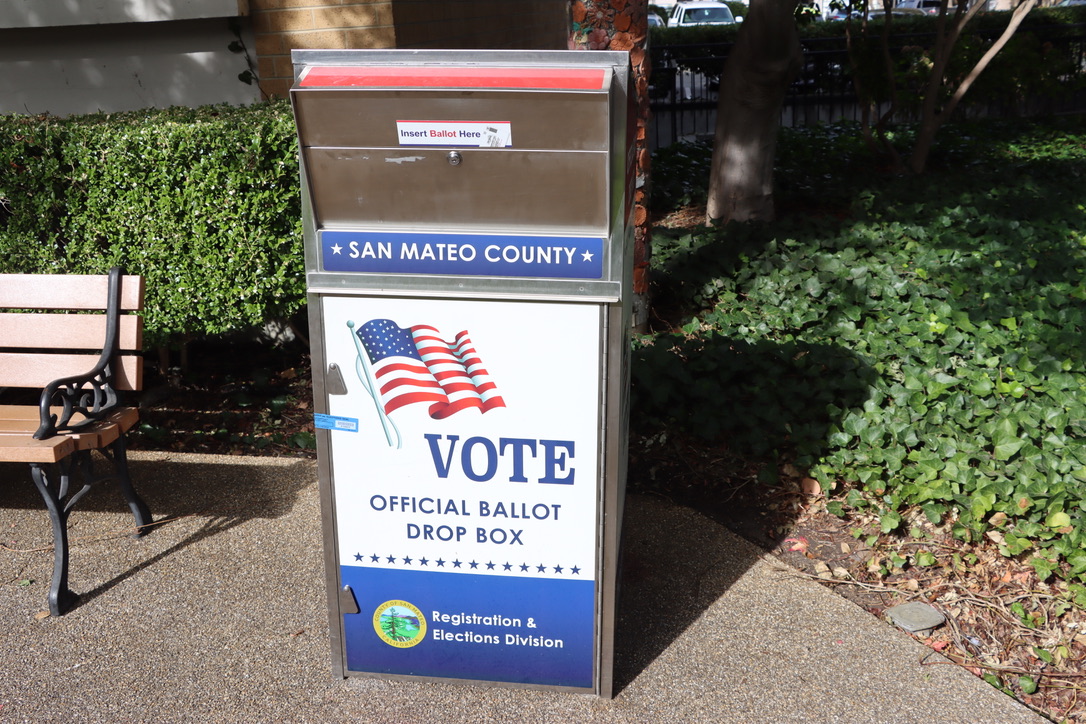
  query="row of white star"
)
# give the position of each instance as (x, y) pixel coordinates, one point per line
(470, 565)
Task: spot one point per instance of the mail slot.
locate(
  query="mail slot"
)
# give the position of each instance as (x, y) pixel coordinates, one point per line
(468, 241)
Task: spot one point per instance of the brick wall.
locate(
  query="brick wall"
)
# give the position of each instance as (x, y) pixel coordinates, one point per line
(283, 25)
(496, 24)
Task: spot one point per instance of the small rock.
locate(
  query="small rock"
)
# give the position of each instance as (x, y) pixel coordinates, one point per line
(915, 616)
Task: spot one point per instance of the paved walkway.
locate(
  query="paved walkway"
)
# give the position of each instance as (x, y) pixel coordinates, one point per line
(220, 616)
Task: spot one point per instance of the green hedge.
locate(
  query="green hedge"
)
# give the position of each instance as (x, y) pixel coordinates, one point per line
(203, 202)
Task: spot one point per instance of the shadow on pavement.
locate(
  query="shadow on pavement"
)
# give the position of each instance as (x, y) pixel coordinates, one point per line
(671, 573)
(222, 493)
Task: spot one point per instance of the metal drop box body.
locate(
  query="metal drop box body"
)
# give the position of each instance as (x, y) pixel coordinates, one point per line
(467, 220)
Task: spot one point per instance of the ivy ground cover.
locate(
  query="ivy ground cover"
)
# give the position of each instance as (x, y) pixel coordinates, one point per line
(912, 342)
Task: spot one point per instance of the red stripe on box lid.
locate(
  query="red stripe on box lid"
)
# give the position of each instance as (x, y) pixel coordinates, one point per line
(453, 77)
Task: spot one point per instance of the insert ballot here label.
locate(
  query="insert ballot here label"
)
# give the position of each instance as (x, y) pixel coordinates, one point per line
(482, 134)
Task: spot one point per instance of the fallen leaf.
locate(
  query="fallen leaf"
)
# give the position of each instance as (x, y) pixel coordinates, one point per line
(798, 544)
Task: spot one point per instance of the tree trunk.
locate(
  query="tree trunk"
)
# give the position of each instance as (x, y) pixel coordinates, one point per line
(933, 114)
(765, 59)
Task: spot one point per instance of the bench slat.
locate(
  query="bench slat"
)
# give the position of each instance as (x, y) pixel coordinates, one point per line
(38, 370)
(11, 415)
(19, 422)
(24, 418)
(18, 448)
(66, 291)
(67, 331)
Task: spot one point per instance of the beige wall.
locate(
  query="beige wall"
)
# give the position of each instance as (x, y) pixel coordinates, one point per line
(120, 67)
(283, 25)
(65, 13)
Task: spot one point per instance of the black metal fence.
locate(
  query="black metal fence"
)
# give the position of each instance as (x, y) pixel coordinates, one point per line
(685, 78)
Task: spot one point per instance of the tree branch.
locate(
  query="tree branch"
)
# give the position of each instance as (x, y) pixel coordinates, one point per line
(1017, 16)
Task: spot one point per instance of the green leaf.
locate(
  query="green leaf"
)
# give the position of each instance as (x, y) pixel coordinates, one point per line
(1058, 520)
(1005, 439)
(889, 522)
(925, 559)
(934, 512)
(1027, 684)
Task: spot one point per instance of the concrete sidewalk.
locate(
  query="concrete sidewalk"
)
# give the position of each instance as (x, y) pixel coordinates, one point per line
(219, 615)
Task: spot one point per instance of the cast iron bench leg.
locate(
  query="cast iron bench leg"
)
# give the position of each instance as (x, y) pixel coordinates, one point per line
(61, 597)
(139, 509)
(60, 504)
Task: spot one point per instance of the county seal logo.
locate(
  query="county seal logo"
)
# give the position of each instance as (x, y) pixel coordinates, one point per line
(399, 624)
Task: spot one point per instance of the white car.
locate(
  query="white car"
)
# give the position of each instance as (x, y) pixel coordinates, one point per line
(701, 12)
(929, 7)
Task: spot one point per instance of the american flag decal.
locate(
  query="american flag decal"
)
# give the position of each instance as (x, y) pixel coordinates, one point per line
(416, 365)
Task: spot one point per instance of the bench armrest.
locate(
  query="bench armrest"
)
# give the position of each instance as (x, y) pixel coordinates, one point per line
(91, 395)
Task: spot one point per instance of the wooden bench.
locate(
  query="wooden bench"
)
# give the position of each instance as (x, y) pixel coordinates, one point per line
(76, 339)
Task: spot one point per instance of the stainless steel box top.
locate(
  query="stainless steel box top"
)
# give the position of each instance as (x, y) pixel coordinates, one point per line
(465, 152)
(457, 148)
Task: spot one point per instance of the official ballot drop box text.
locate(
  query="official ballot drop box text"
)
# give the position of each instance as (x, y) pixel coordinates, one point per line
(468, 253)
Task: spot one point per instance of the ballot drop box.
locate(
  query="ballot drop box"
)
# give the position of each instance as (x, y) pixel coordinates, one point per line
(468, 253)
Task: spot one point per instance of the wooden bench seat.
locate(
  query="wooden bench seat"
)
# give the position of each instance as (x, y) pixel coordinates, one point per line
(19, 422)
(77, 339)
